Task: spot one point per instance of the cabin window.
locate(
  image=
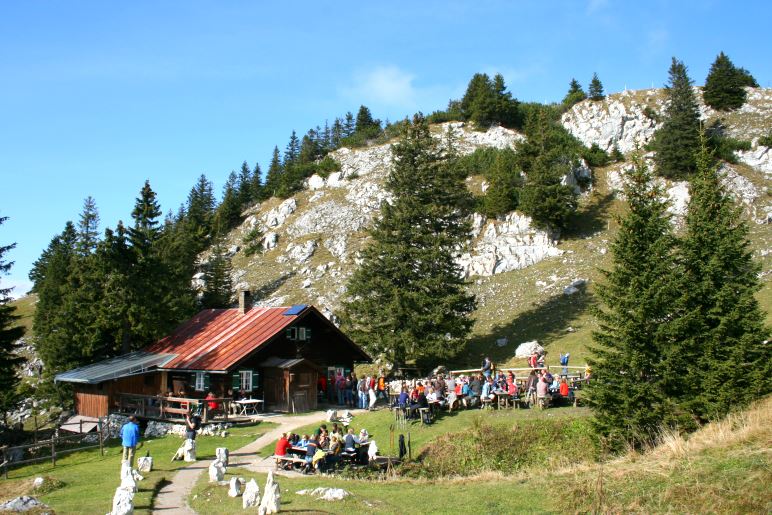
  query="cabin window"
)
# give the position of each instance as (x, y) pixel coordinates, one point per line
(246, 380)
(200, 381)
(302, 334)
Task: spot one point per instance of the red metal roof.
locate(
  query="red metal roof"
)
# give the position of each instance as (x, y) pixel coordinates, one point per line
(217, 339)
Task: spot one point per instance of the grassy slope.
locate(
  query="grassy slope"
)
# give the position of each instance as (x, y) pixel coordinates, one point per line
(25, 309)
(89, 480)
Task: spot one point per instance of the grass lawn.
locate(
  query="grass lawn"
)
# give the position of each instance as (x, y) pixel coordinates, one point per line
(378, 424)
(479, 495)
(89, 480)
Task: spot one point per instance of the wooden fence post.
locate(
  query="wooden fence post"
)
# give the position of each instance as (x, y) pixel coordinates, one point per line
(5, 462)
(53, 450)
(101, 438)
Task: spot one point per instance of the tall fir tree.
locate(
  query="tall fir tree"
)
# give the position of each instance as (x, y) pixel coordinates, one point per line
(218, 288)
(575, 93)
(365, 123)
(504, 182)
(257, 183)
(677, 141)
(273, 179)
(725, 85)
(292, 151)
(88, 227)
(229, 211)
(349, 125)
(10, 332)
(407, 300)
(637, 296)
(722, 362)
(245, 186)
(546, 157)
(479, 102)
(200, 209)
(595, 91)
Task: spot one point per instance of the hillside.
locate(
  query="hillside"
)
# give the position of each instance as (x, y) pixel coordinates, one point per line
(519, 274)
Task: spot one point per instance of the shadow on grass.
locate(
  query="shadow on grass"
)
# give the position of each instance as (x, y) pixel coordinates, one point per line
(267, 289)
(591, 218)
(160, 485)
(544, 322)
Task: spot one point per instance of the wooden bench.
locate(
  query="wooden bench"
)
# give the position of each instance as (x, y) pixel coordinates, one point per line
(426, 415)
(287, 459)
(486, 403)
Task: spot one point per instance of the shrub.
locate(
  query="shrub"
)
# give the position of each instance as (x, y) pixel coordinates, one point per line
(595, 156)
(766, 140)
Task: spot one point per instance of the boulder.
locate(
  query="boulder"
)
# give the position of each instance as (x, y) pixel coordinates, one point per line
(23, 503)
(128, 480)
(271, 502)
(326, 494)
(222, 455)
(123, 502)
(270, 240)
(38, 482)
(251, 497)
(145, 464)
(189, 450)
(235, 487)
(574, 287)
(216, 471)
(525, 349)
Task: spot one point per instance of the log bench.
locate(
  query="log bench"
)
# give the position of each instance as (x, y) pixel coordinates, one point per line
(287, 459)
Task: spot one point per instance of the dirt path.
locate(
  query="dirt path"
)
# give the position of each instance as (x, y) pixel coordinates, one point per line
(172, 498)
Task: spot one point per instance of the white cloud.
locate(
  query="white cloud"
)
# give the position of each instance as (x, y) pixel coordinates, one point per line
(385, 85)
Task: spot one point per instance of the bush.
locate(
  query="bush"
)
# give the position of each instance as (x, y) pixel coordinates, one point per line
(650, 113)
(723, 146)
(253, 242)
(595, 156)
(766, 140)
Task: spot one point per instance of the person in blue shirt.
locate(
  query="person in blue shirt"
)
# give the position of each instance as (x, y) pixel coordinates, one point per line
(404, 398)
(130, 439)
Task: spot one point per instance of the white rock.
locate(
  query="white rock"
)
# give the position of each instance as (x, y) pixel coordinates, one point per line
(315, 182)
(251, 497)
(145, 464)
(570, 290)
(189, 450)
(22, 503)
(123, 502)
(216, 471)
(525, 349)
(271, 501)
(759, 158)
(306, 284)
(38, 482)
(222, 454)
(276, 217)
(270, 240)
(235, 487)
(301, 253)
(326, 494)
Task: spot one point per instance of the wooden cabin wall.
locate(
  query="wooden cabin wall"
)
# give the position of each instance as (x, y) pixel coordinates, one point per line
(91, 402)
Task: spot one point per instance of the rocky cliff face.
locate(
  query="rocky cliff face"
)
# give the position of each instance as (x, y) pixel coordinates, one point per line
(312, 240)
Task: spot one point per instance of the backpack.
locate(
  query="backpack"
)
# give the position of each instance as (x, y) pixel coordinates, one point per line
(564, 359)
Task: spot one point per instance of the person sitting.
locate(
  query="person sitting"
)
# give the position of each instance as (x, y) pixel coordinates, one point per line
(282, 446)
(303, 442)
(511, 386)
(554, 385)
(211, 404)
(333, 456)
(466, 394)
(364, 441)
(350, 441)
(404, 399)
(311, 448)
(324, 439)
(421, 402)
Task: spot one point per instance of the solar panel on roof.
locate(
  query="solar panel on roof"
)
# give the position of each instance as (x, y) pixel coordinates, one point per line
(295, 310)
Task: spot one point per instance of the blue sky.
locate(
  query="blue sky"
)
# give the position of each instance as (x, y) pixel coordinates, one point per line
(96, 97)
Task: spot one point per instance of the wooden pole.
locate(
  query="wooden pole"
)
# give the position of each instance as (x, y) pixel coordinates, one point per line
(53, 450)
(5, 463)
(101, 440)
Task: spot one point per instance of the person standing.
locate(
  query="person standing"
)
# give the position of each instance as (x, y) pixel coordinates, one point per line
(486, 367)
(130, 439)
(192, 425)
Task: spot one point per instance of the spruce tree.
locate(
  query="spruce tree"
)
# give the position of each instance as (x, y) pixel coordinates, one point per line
(407, 300)
(595, 91)
(229, 211)
(273, 179)
(723, 356)
(504, 181)
(724, 87)
(677, 141)
(217, 277)
(546, 156)
(292, 151)
(366, 124)
(10, 332)
(349, 125)
(626, 390)
(245, 186)
(479, 103)
(575, 93)
(88, 227)
(257, 183)
(200, 209)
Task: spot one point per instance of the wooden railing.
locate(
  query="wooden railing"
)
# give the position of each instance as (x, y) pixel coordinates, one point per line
(159, 406)
(50, 449)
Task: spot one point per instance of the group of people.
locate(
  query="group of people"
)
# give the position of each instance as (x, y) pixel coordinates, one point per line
(361, 393)
(324, 449)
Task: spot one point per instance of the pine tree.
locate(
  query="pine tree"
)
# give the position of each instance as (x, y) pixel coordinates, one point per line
(200, 209)
(479, 103)
(546, 157)
(244, 186)
(504, 181)
(217, 276)
(337, 134)
(722, 356)
(366, 124)
(626, 390)
(257, 183)
(309, 149)
(88, 227)
(575, 93)
(229, 211)
(407, 300)
(273, 179)
(292, 151)
(595, 91)
(349, 126)
(677, 141)
(10, 332)
(724, 87)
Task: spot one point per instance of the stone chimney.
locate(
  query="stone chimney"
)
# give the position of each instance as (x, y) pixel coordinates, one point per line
(244, 301)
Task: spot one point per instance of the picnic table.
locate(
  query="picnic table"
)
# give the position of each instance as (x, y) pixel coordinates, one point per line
(249, 406)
